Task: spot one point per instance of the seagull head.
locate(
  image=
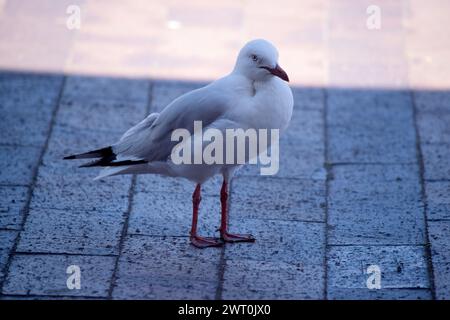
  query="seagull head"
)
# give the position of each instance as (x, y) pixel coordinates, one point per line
(258, 61)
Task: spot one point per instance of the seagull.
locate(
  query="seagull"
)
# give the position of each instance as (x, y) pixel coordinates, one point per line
(254, 95)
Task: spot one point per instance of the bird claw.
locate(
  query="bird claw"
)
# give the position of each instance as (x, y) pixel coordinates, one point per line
(205, 242)
(228, 237)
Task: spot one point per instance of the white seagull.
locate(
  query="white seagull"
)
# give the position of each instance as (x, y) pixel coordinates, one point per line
(254, 95)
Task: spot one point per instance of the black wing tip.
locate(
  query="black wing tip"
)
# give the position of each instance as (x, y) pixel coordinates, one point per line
(99, 153)
(107, 163)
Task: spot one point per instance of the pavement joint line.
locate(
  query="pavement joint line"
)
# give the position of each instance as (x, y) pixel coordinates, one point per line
(127, 213)
(35, 173)
(13, 185)
(69, 254)
(329, 176)
(335, 164)
(377, 245)
(10, 229)
(421, 164)
(46, 296)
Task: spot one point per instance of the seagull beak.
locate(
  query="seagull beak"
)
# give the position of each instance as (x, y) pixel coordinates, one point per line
(279, 72)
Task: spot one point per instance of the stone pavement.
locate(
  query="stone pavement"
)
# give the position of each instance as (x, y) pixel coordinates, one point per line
(364, 179)
(365, 165)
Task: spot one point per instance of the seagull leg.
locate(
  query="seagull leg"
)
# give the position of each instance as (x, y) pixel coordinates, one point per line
(228, 237)
(200, 242)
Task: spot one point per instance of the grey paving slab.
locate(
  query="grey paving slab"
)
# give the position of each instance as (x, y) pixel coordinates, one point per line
(371, 204)
(72, 231)
(46, 275)
(100, 114)
(402, 267)
(250, 279)
(432, 101)
(166, 268)
(17, 164)
(285, 261)
(37, 86)
(370, 126)
(24, 128)
(438, 199)
(440, 249)
(12, 205)
(7, 238)
(434, 127)
(436, 159)
(26, 106)
(108, 88)
(308, 98)
(300, 243)
(263, 198)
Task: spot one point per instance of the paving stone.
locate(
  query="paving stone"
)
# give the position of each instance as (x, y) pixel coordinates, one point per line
(371, 204)
(433, 101)
(46, 275)
(7, 238)
(434, 127)
(438, 198)
(26, 105)
(402, 267)
(166, 268)
(98, 114)
(25, 126)
(299, 243)
(72, 231)
(13, 202)
(308, 98)
(80, 192)
(440, 250)
(17, 164)
(436, 159)
(269, 197)
(379, 129)
(118, 89)
(38, 88)
(262, 280)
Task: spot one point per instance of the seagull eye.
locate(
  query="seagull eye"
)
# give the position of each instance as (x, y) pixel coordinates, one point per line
(254, 57)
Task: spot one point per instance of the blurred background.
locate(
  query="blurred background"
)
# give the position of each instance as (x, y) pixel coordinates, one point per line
(321, 42)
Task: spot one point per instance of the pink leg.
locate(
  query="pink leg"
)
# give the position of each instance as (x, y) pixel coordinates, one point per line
(228, 237)
(200, 242)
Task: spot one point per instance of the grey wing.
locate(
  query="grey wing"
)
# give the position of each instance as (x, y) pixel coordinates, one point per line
(151, 139)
